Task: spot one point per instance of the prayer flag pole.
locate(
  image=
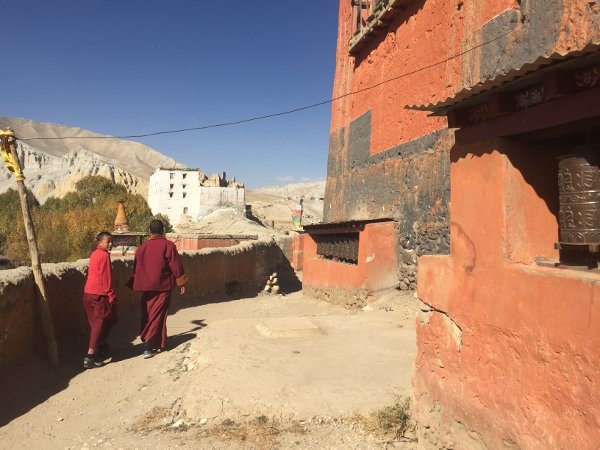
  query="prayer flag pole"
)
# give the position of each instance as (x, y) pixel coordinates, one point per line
(9, 154)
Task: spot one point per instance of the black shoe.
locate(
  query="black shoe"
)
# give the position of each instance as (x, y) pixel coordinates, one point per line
(90, 362)
(149, 353)
(104, 352)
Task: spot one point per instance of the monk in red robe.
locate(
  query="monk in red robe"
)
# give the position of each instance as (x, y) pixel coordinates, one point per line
(99, 301)
(157, 271)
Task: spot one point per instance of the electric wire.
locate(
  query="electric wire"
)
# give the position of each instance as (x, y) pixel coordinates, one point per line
(281, 113)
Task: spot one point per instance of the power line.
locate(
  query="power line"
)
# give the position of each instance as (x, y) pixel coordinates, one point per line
(282, 113)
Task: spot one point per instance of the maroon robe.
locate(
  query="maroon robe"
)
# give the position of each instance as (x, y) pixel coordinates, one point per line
(101, 315)
(157, 270)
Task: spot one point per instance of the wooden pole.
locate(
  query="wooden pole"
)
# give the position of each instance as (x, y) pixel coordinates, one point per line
(9, 147)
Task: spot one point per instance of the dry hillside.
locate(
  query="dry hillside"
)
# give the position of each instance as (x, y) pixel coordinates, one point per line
(52, 167)
(273, 205)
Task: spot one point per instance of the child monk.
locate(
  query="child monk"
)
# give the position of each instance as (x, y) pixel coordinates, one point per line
(157, 271)
(99, 301)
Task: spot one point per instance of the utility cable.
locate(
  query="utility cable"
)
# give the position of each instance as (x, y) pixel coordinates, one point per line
(282, 113)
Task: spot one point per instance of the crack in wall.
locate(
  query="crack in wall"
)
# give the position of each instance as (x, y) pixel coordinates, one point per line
(427, 310)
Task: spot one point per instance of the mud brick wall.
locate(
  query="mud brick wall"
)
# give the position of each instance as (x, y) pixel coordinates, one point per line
(222, 273)
(409, 183)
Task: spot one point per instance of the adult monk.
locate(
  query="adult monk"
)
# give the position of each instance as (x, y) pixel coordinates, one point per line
(157, 270)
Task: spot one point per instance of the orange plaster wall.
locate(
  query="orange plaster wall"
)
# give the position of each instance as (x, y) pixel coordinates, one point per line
(297, 254)
(380, 256)
(323, 273)
(527, 368)
(425, 33)
(376, 268)
(509, 349)
(505, 199)
(531, 203)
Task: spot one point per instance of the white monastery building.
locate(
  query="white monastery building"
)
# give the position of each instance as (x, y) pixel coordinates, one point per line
(188, 194)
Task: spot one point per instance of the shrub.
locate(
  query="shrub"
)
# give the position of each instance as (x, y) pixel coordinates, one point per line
(66, 227)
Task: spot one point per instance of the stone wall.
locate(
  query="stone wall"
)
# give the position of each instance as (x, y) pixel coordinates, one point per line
(409, 183)
(222, 273)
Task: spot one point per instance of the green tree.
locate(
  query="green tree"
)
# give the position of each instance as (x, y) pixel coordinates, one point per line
(66, 227)
(11, 222)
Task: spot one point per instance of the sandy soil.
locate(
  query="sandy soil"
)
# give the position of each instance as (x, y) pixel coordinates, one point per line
(276, 211)
(226, 221)
(223, 384)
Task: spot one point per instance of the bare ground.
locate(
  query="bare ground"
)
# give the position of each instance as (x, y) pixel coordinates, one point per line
(275, 211)
(223, 384)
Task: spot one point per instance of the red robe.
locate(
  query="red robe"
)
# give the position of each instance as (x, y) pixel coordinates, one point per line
(99, 280)
(99, 298)
(157, 270)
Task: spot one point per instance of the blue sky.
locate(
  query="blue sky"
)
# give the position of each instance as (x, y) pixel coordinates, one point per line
(134, 66)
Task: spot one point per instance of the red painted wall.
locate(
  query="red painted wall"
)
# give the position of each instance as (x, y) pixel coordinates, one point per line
(297, 254)
(375, 271)
(509, 350)
(507, 353)
(425, 33)
(324, 273)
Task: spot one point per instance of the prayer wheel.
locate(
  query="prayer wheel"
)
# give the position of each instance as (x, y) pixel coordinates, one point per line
(579, 197)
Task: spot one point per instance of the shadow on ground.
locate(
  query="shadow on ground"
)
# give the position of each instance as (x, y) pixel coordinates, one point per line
(33, 382)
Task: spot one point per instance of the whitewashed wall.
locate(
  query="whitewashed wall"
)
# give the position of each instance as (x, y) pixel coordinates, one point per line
(176, 193)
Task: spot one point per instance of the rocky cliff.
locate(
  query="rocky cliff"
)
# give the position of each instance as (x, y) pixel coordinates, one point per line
(52, 167)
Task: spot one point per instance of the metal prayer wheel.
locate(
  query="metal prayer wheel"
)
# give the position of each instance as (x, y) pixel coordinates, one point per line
(579, 197)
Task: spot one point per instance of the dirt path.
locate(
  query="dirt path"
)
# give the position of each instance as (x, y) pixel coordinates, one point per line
(234, 378)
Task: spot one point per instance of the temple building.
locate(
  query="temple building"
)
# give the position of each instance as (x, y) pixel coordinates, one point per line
(188, 194)
(464, 155)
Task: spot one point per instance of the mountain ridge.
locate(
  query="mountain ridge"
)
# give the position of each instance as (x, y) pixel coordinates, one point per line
(52, 167)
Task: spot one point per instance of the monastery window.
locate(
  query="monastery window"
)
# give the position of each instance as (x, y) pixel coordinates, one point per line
(184, 194)
(184, 176)
(170, 195)
(342, 247)
(184, 186)
(171, 175)
(185, 210)
(369, 21)
(171, 186)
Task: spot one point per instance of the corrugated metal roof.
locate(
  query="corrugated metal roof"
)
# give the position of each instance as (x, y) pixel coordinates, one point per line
(528, 74)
